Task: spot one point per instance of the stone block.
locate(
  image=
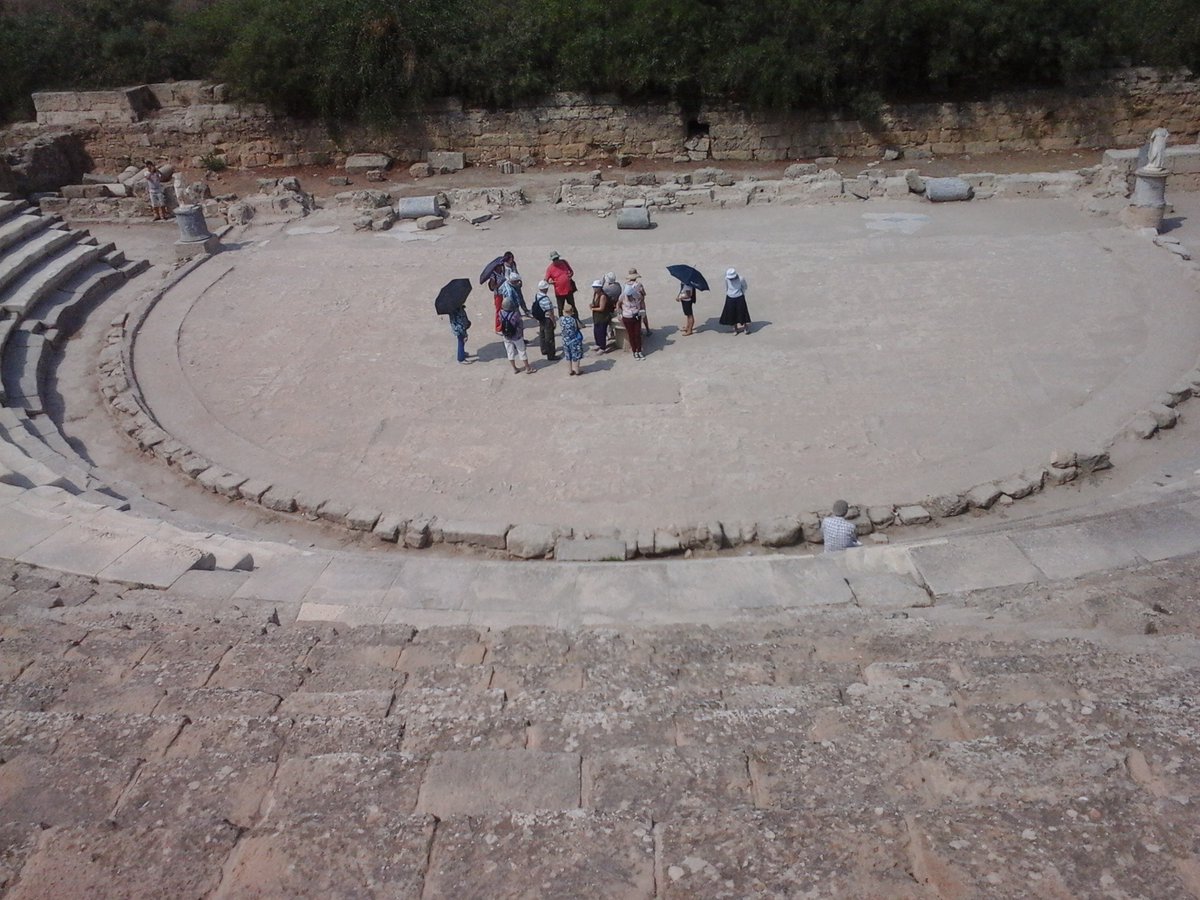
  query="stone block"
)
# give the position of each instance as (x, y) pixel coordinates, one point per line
(798, 169)
(420, 170)
(912, 515)
(333, 511)
(278, 499)
(881, 516)
(531, 541)
(361, 163)
(666, 542)
(783, 531)
(947, 505)
(1164, 416)
(1092, 460)
(983, 496)
(418, 207)
(477, 782)
(1056, 475)
(228, 484)
(362, 518)
(446, 161)
(1019, 486)
(633, 218)
(475, 534)
(417, 533)
(589, 550)
(389, 527)
(1142, 425)
(943, 190)
(428, 223)
(1063, 459)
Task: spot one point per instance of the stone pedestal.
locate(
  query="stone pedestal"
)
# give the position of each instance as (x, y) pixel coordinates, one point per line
(194, 236)
(1149, 201)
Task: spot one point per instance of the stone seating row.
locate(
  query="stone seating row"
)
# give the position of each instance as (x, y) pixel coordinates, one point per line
(49, 276)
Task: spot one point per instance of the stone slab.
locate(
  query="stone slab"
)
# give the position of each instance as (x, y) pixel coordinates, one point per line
(81, 549)
(1071, 551)
(593, 855)
(359, 163)
(353, 581)
(20, 531)
(283, 581)
(1154, 534)
(808, 582)
(972, 564)
(589, 550)
(884, 591)
(487, 781)
(154, 563)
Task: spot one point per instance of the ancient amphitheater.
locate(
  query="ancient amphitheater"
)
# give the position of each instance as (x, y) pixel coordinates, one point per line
(295, 606)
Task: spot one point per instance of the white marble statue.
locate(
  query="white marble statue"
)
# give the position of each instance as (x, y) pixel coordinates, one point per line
(1156, 161)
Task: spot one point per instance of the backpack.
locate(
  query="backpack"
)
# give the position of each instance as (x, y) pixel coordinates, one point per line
(536, 308)
(508, 326)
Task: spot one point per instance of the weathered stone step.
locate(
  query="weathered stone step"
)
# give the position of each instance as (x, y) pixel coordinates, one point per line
(64, 308)
(29, 253)
(21, 227)
(39, 280)
(11, 206)
(19, 369)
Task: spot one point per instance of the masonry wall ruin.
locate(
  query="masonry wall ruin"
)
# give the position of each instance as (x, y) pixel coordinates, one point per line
(187, 121)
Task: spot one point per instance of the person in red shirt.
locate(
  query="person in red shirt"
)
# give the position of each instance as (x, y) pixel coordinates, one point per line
(560, 274)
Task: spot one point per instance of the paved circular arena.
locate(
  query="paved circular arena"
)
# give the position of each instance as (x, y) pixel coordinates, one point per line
(900, 350)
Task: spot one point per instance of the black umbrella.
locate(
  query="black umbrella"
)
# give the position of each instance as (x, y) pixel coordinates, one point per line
(490, 268)
(689, 276)
(452, 296)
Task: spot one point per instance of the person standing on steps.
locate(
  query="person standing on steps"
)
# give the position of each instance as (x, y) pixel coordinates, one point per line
(602, 310)
(736, 312)
(512, 329)
(543, 311)
(837, 531)
(572, 339)
(633, 312)
(560, 274)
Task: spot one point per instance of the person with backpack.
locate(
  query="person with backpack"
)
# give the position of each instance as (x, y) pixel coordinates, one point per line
(512, 276)
(512, 330)
(543, 311)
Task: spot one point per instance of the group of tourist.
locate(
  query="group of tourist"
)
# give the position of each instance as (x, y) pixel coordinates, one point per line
(613, 305)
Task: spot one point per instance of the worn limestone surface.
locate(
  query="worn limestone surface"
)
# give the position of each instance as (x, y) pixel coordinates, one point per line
(1026, 742)
(977, 339)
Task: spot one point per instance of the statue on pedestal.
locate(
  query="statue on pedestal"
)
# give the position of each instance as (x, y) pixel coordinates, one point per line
(1156, 160)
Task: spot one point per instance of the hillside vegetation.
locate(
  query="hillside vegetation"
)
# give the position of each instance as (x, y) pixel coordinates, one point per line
(368, 60)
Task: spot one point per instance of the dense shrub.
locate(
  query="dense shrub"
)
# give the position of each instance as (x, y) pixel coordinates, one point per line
(369, 60)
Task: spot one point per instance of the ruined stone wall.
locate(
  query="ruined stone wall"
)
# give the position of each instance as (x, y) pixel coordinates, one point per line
(186, 121)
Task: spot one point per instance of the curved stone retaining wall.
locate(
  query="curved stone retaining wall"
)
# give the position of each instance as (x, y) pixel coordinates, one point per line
(417, 530)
